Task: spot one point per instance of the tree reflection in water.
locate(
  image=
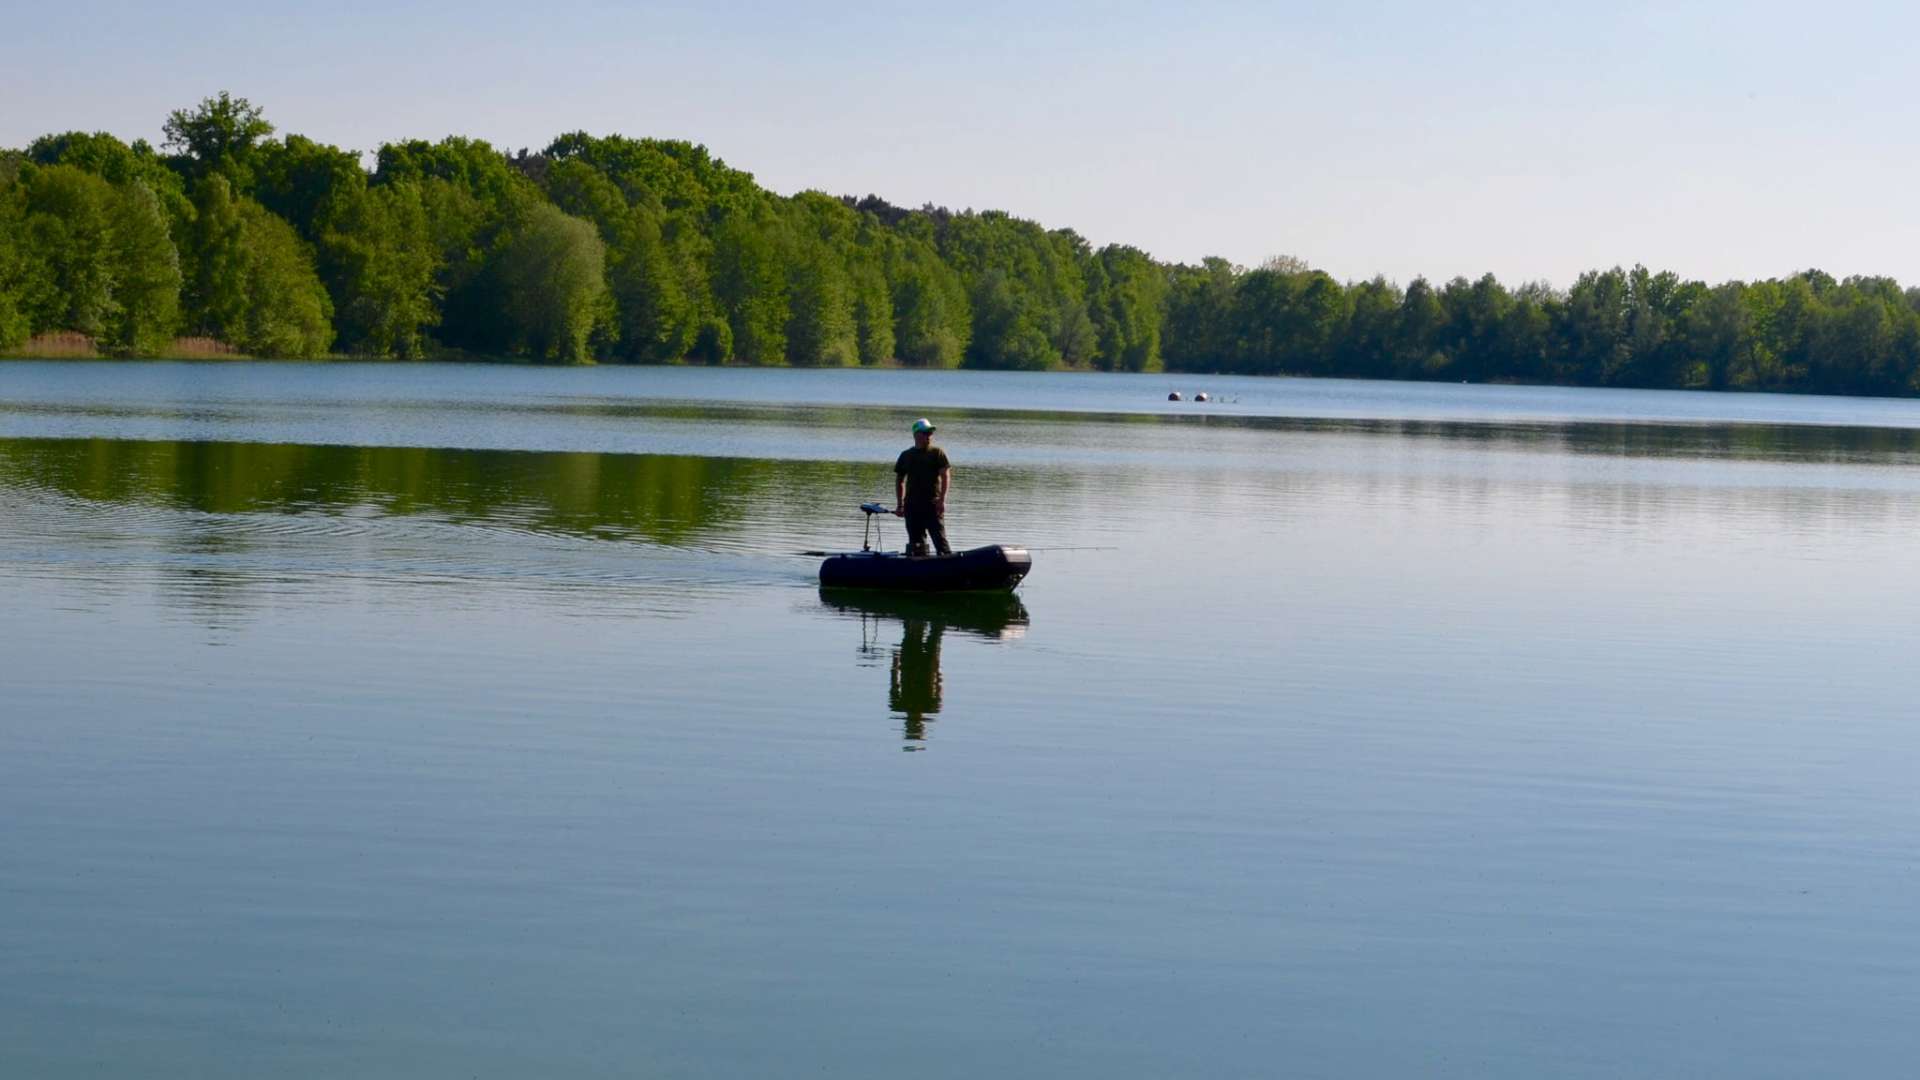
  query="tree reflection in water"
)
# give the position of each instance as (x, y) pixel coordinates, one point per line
(915, 686)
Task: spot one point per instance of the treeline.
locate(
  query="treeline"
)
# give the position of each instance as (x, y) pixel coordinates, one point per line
(1635, 328)
(653, 251)
(613, 249)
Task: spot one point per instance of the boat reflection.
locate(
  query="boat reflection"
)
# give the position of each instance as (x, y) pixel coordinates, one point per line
(914, 682)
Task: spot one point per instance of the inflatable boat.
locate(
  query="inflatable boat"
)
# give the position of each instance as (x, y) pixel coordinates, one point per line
(985, 569)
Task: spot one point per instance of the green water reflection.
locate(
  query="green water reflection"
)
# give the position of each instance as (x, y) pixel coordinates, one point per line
(1735, 442)
(666, 499)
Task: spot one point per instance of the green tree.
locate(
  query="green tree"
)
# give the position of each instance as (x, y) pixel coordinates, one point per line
(381, 261)
(147, 274)
(1025, 287)
(820, 328)
(1473, 338)
(302, 181)
(673, 176)
(554, 269)
(68, 229)
(1416, 352)
(287, 311)
(14, 270)
(750, 284)
(1368, 343)
(1284, 321)
(252, 281)
(1128, 308)
(933, 322)
(1005, 332)
(819, 237)
(1712, 334)
(575, 187)
(872, 313)
(1525, 334)
(218, 136)
(658, 320)
(1793, 326)
(1072, 335)
(100, 257)
(1758, 364)
(473, 198)
(117, 163)
(1198, 301)
(1655, 302)
(215, 294)
(1593, 337)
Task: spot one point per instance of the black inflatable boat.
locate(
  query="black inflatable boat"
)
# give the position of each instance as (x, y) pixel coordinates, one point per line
(985, 569)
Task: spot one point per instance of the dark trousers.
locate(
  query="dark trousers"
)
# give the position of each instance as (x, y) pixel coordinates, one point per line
(924, 521)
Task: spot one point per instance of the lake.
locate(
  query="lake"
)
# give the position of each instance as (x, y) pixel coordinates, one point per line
(437, 721)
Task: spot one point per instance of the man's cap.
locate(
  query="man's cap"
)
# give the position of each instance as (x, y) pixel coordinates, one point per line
(923, 424)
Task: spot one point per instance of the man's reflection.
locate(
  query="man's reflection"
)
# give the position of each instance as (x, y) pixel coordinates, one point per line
(915, 685)
(914, 688)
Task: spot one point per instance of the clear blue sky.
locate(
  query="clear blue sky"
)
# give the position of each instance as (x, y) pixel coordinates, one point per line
(1531, 140)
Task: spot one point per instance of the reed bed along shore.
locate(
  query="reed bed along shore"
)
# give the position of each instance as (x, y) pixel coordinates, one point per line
(73, 345)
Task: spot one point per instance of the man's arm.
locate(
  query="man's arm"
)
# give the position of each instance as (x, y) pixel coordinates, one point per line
(899, 494)
(940, 487)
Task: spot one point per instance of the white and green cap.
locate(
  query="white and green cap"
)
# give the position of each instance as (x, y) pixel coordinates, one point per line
(923, 424)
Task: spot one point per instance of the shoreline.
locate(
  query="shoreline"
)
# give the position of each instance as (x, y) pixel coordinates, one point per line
(197, 357)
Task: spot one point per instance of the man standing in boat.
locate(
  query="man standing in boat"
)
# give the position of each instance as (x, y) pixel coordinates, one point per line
(921, 477)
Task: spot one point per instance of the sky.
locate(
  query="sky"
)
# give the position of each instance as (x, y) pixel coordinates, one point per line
(1532, 141)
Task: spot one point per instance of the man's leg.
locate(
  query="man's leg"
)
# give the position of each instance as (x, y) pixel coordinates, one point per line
(916, 533)
(939, 530)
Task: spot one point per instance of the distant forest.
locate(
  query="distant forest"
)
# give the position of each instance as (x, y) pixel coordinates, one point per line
(653, 251)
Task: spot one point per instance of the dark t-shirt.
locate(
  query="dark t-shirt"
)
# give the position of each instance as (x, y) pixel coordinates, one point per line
(922, 468)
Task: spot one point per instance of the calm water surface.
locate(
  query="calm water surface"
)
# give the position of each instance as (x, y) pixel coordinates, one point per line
(438, 721)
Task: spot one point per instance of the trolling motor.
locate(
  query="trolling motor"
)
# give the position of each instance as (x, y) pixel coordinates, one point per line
(866, 535)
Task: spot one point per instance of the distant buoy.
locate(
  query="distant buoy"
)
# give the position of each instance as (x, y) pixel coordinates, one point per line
(1201, 396)
(1175, 396)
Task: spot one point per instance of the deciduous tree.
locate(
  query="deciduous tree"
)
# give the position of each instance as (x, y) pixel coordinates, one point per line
(554, 270)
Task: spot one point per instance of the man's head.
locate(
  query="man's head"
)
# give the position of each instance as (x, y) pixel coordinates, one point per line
(922, 432)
